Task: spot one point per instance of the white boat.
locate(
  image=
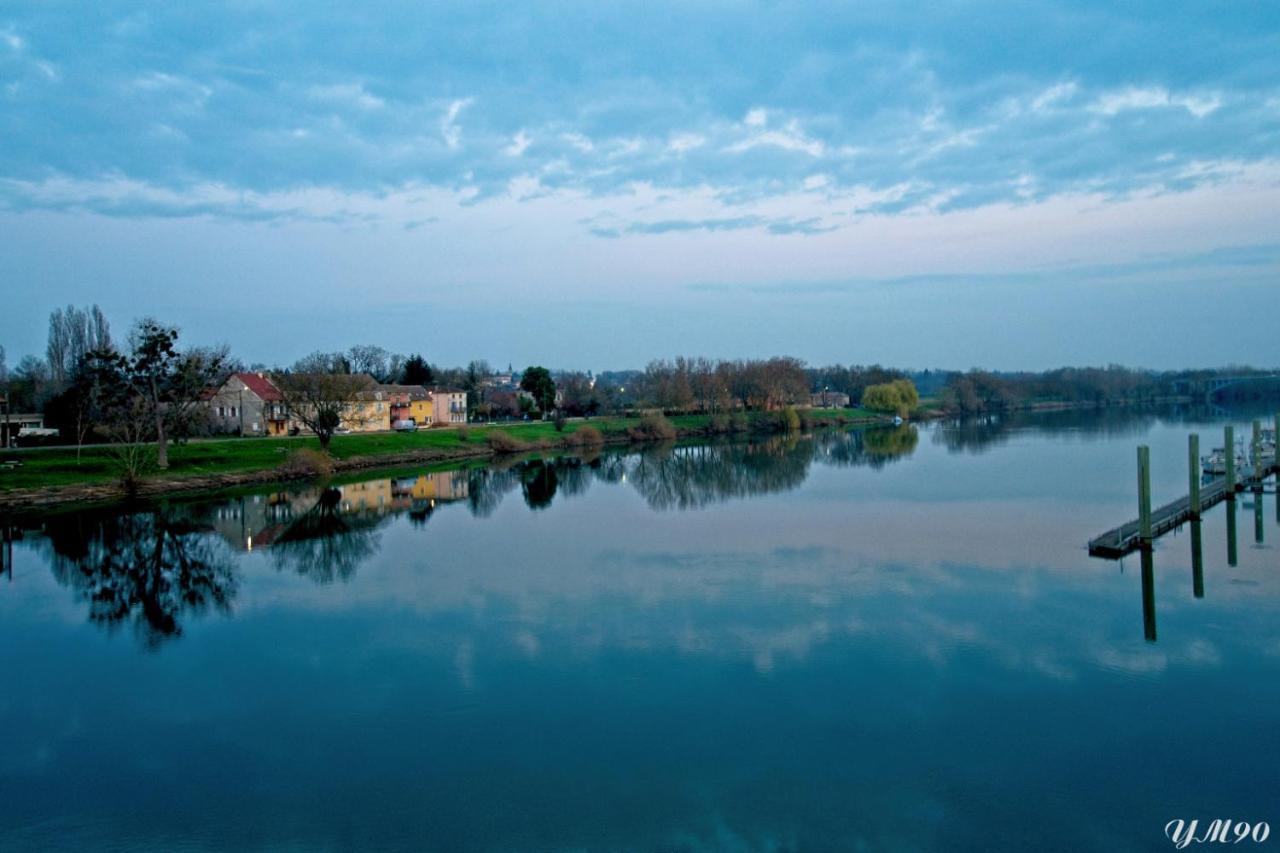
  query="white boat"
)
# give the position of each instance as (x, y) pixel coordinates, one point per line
(1216, 462)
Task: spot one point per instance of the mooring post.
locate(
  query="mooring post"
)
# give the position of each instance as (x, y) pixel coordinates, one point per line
(1197, 560)
(1193, 466)
(1255, 451)
(1144, 495)
(1257, 516)
(1229, 452)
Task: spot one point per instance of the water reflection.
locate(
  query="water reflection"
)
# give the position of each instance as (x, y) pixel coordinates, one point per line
(156, 568)
(1197, 559)
(1232, 553)
(981, 433)
(152, 570)
(1148, 597)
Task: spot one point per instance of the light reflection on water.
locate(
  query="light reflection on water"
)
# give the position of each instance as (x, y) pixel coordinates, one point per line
(884, 640)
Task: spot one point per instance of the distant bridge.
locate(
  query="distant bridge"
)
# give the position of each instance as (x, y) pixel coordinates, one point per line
(1210, 387)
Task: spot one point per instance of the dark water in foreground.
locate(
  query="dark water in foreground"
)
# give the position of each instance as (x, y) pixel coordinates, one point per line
(891, 641)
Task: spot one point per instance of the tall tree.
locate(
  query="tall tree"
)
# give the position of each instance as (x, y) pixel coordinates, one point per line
(154, 387)
(417, 371)
(73, 333)
(370, 359)
(538, 382)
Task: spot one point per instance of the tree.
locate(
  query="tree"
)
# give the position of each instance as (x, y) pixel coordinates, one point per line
(417, 371)
(321, 396)
(538, 382)
(370, 359)
(73, 333)
(153, 391)
(898, 396)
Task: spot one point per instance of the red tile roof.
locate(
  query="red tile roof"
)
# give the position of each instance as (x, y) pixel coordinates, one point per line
(260, 385)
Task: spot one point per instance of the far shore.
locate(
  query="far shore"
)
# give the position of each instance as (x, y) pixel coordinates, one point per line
(53, 477)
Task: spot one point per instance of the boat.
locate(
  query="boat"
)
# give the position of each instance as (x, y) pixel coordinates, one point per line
(1216, 462)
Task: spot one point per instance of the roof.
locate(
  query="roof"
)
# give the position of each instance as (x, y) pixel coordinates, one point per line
(415, 392)
(439, 390)
(259, 384)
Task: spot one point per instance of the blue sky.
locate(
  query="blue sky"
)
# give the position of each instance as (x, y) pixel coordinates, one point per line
(596, 184)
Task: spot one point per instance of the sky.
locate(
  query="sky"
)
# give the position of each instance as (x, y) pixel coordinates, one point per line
(593, 185)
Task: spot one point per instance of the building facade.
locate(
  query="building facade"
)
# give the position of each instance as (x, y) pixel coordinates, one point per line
(248, 404)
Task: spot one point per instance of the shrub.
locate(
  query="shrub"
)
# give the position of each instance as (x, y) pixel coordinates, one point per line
(306, 462)
(587, 436)
(560, 421)
(789, 419)
(464, 433)
(653, 428)
(501, 441)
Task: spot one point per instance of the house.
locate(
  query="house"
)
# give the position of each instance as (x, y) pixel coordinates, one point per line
(248, 404)
(409, 403)
(829, 400)
(371, 410)
(449, 406)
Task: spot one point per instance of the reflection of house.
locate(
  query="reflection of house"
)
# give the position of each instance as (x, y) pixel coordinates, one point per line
(248, 404)
(829, 400)
(254, 521)
(436, 486)
(370, 495)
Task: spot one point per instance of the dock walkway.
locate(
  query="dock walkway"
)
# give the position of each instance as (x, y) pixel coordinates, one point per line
(1125, 538)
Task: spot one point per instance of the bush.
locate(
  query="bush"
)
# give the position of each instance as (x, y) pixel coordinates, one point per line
(306, 462)
(789, 419)
(464, 433)
(501, 441)
(653, 428)
(587, 436)
(560, 421)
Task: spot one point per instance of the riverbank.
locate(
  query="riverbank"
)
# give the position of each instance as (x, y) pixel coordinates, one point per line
(49, 477)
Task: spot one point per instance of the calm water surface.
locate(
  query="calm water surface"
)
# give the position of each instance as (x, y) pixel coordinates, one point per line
(884, 641)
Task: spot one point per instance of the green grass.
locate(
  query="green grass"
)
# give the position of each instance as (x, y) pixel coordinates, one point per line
(49, 467)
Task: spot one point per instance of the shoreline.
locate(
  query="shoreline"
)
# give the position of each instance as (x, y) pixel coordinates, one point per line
(52, 497)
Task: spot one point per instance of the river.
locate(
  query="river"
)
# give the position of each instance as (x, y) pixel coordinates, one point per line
(887, 640)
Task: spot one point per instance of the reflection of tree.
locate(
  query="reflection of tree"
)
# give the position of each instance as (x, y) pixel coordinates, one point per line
(486, 488)
(981, 433)
(692, 477)
(873, 448)
(326, 544)
(538, 483)
(149, 568)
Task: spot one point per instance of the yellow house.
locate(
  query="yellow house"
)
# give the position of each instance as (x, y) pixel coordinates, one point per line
(368, 415)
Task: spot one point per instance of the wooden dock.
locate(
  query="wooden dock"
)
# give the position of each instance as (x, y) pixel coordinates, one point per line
(1127, 537)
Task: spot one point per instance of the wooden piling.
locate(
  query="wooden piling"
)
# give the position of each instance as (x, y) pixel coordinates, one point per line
(1144, 495)
(1255, 449)
(1229, 451)
(1193, 468)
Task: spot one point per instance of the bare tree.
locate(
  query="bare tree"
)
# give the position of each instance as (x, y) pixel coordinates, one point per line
(370, 359)
(322, 398)
(73, 334)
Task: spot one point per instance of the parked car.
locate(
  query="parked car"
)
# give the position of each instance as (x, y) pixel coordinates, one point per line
(408, 425)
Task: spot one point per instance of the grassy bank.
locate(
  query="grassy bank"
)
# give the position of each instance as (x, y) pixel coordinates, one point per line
(47, 472)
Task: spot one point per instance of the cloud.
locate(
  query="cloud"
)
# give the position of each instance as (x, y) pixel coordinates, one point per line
(1134, 98)
(519, 144)
(449, 128)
